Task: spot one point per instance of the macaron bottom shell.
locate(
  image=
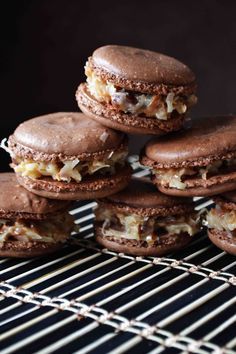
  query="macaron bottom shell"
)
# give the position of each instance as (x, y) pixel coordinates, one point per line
(198, 191)
(89, 188)
(167, 244)
(128, 123)
(222, 240)
(28, 249)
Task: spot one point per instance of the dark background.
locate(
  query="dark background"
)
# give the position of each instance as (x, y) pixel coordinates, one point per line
(45, 44)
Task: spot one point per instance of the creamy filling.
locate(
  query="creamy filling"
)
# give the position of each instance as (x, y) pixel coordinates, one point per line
(69, 170)
(135, 227)
(159, 106)
(175, 177)
(221, 220)
(53, 230)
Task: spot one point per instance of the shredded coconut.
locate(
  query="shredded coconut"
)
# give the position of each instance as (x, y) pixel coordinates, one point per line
(104, 136)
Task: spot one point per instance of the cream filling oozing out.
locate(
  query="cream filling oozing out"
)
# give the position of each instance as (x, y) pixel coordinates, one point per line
(69, 170)
(158, 106)
(221, 219)
(52, 230)
(135, 227)
(174, 177)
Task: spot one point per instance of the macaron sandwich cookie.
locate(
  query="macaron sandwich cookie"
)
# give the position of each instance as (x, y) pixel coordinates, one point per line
(221, 222)
(30, 225)
(68, 156)
(142, 221)
(199, 161)
(136, 90)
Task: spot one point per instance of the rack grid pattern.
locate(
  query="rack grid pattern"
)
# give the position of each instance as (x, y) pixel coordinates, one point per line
(86, 299)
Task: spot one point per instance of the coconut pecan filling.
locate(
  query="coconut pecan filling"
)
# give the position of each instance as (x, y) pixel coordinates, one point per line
(70, 169)
(149, 229)
(222, 220)
(176, 177)
(159, 106)
(53, 230)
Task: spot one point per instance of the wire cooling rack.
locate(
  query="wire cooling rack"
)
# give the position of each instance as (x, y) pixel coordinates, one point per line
(85, 299)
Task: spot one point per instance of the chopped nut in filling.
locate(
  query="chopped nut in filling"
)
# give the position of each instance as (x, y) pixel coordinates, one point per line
(158, 106)
(53, 230)
(221, 219)
(144, 228)
(175, 177)
(69, 170)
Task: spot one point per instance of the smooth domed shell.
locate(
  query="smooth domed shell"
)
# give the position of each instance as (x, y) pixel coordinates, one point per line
(66, 133)
(206, 138)
(16, 199)
(142, 65)
(141, 193)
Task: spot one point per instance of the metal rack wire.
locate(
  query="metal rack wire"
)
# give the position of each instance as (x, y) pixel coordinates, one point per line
(86, 299)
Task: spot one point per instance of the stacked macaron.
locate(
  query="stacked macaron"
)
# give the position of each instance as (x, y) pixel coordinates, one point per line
(57, 158)
(200, 161)
(62, 157)
(136, 90)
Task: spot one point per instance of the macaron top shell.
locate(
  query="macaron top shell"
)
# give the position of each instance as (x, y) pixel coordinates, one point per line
(141, 193)
(141, 65)
(17, 201)
(66, 133)
(208, 138)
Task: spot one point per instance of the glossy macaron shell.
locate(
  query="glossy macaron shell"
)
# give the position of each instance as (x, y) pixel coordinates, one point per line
(139, 65)
(89, 188)
(16, 201)
(64, 134)
(201, 188)
(222, 240)
(208, 139)
(158, 249)
(14, 249)
(141, 197)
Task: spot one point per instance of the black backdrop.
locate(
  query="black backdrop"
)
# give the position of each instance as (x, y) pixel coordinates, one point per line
(45, 44)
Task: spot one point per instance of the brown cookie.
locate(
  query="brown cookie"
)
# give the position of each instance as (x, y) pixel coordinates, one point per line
(30, 225)
(136, 90)
(165, 245)
(69, 156)
(198, 161)
(222, 240)
(141, 221)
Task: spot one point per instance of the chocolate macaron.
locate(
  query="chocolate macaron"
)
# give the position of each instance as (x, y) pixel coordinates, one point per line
(30, 225)
(136, 90)
(199, 161)
(69, 156)
(221, 222)
(142, 221)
